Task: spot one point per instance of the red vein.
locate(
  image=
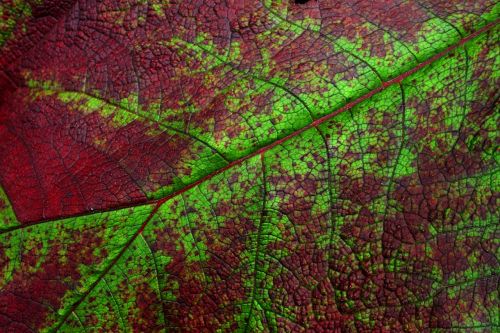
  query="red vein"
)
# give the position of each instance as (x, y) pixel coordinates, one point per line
(398, 79)
(323, 119)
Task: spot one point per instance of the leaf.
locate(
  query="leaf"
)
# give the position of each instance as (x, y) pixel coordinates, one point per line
(272, 166)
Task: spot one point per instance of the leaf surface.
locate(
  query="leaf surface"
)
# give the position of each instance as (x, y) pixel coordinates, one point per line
(256, 167)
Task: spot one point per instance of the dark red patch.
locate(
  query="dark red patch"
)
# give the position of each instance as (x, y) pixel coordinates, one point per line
(33, 293)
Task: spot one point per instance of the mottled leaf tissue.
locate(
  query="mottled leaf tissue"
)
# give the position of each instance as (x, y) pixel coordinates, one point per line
(249, 166)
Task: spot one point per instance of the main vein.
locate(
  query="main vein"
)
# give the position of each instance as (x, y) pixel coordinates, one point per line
(384, 85)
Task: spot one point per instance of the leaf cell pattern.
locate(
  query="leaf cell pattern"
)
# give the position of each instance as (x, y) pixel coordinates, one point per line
(249, 167)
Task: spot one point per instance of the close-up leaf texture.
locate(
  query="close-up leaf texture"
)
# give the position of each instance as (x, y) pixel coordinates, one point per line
(249, 166)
